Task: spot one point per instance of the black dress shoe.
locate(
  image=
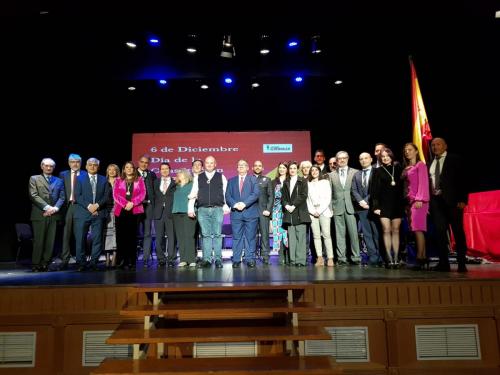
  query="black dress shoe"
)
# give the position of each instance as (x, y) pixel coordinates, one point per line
(218, 264)
(44, 268)
(81, 268)
(35, 269)
(251, 264)
(236, 264)
(162, 263)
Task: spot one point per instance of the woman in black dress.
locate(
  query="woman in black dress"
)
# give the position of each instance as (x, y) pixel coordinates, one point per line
(388, 203)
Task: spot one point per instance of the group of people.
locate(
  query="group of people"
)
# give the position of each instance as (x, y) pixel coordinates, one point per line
(302, 198)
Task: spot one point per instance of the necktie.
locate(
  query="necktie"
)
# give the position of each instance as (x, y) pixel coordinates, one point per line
(437, 174)
(342, 173)
(164, 185)
(342, 177)
(48, 178)
(241, 183)
(94, 186)
(363, 183)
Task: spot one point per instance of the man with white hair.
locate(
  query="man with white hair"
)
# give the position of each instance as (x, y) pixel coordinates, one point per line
(47, 198)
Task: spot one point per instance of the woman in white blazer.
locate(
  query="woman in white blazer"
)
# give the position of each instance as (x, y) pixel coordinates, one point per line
(319, 200)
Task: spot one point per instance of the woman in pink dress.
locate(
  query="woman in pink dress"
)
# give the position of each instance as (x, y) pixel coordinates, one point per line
(416, 179)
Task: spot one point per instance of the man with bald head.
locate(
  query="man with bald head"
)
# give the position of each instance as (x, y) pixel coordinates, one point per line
(448, 198)
(209, 190)
(361, 192)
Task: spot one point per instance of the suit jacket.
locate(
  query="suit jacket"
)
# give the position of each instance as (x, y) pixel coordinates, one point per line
(84, 197)
(249, 195)
(452, 182)
(163, 201)
(149, 181)
(266, 193)
(341, 196)
(359, 192)
(42, 194)
(298, 198)
(66, 177)
(120, 196)
(325, 171)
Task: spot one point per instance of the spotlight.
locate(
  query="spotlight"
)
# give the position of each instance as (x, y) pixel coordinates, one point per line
(255, 85)
(162, 82)
(131, 45)
(338, 82)
(154, 41)
(293, 43)
(264, 44)
(131, 88)
(298, 79)
(315, 45)
(228, 81)
(192, 44)
(228, 50)
(204, 87)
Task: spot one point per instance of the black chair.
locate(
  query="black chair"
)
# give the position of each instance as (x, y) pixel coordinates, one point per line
(24, 238)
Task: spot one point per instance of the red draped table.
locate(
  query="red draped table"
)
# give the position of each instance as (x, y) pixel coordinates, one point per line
(482, 225)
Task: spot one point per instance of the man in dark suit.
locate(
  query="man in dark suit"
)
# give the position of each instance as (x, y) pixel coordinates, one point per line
(92, 198)
(319, 160)
(448, 199)
(164, 189)
(265, 208)
(47, 198)
(361, 193)
(148, 216)
(70, 179)
(242, 196)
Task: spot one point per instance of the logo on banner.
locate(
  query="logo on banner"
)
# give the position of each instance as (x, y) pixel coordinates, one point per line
(277, 148)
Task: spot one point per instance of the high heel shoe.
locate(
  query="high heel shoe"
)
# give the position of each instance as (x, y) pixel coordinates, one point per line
(422, 264)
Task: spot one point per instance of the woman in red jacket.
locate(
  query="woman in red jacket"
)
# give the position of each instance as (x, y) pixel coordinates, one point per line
(129, 192)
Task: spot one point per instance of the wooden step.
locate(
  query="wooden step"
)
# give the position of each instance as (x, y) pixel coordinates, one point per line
(216, 334)
(226, 366)
(217, 309)
(220, 287)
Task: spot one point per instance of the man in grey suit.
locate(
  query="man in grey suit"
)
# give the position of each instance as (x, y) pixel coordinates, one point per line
(47, 197)
(265, 208)
(343, 209)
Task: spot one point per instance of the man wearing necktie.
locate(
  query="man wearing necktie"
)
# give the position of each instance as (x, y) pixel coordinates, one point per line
(47, 198)
(343, 210)
(148, 203)
(449, 195)
(164, 189)
(92, 195)
(361, 193)
(70, 179)
(242, 195)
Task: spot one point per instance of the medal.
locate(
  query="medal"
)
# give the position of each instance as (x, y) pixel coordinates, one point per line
(393, 183)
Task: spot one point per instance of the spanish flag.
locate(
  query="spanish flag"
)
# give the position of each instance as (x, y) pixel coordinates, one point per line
(421, 129)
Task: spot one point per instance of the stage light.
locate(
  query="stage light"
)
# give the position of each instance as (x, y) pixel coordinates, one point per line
(228, 81)
(298, 79)
(264, 44)
(204, 87)
(338, 82)
(131, 88)
(154, 41)
(192, 44)
(497, 14)
(162, 82)
(315, 45)
(228, 50)
(255, 85)
(131, 45)
(293, 43)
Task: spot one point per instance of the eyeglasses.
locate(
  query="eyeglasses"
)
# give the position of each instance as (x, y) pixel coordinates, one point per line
(342, 158)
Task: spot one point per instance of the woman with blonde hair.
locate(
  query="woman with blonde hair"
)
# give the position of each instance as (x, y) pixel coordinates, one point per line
(184, 225)
(112, 173)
